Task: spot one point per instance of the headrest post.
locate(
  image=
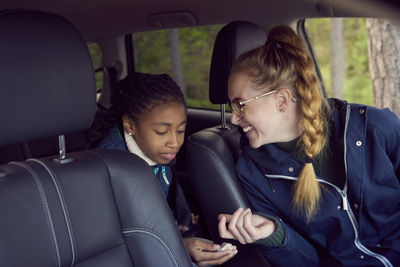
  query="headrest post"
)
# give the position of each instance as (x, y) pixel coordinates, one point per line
(61, 149)
(61, 146)
(223, 118)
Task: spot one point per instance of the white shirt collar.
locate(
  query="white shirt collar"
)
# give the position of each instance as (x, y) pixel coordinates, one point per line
(135, 149)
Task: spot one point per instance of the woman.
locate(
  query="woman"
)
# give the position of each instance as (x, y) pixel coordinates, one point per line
(322, 176)
(148, 118)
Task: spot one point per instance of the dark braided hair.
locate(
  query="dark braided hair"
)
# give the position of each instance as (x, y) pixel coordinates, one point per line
(137, 94)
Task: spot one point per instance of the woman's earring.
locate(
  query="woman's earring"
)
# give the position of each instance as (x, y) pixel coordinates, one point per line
(131, 133)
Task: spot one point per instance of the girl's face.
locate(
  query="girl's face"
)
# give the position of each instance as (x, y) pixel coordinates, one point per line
(267, 119)
(160, 133)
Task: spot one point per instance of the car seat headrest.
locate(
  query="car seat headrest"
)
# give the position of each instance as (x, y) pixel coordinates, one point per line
(232, 40)
(47, 84)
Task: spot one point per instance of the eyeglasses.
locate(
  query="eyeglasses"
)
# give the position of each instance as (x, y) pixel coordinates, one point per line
(237, 106)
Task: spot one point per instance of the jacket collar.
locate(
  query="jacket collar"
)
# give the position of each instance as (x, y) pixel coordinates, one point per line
(135, 149)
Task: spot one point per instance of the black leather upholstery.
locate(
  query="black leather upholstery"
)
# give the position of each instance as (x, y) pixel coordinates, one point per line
(212, 153)
(232, 40)
(99, 208)
(211, 156)
(62, 70)
(103, 209)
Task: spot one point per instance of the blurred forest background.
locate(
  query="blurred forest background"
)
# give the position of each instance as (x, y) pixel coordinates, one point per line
(153, 55)
(340, 46)
(356, 85)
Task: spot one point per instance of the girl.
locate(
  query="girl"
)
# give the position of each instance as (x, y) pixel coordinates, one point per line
(148, 118)
(322, 176)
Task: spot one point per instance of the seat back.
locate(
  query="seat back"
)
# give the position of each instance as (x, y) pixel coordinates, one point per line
(212, 153)
(86, 208)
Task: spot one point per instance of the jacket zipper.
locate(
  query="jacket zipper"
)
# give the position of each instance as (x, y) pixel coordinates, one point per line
(354, 223)
(345, 202)
(349, 211)
(350, 214)
(164, 174)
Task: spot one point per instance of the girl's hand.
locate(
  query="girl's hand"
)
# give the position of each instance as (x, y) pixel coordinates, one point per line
(244, 226)
(204, 252)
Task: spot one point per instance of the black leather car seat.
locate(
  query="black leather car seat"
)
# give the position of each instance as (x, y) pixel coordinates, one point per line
(212, 153)
(86, 208)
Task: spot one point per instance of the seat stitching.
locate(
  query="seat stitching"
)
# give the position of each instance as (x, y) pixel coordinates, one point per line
(153, 234)
(133, 231)
(45, 207)
(64, 208)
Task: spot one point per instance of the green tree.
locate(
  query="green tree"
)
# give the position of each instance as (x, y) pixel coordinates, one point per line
(384, 47)
(153, 55)
(319, 32)
(357, 86)
(97, 60)
(152, 52)
(197, 43)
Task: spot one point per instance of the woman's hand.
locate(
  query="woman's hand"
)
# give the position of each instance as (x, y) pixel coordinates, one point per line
(204, 252)
(244, 226)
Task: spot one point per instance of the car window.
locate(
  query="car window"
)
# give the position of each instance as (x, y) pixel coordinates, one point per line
(97, 60)
(184, 54)
(341, 50)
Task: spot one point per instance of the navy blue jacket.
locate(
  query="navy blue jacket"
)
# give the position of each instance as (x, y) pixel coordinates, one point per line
(357, 225)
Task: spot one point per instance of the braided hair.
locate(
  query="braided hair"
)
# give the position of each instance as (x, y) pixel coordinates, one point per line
(136, 95)
(283, 62)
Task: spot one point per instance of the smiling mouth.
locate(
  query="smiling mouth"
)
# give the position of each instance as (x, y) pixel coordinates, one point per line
(248, 128)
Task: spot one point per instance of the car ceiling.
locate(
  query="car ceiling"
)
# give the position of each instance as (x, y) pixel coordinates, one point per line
(106, 18)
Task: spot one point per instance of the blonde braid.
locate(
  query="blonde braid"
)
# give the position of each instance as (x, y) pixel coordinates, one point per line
(307, 191)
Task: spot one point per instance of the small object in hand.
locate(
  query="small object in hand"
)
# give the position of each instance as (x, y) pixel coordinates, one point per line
(225, 246)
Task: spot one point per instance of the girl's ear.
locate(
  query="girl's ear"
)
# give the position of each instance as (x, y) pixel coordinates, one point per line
(128, 125)
(283, 98)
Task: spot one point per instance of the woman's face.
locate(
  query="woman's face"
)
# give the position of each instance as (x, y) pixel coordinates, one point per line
(264, 120)
(160, 133)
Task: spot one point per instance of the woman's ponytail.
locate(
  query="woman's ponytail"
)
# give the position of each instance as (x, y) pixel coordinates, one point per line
(307, 191)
